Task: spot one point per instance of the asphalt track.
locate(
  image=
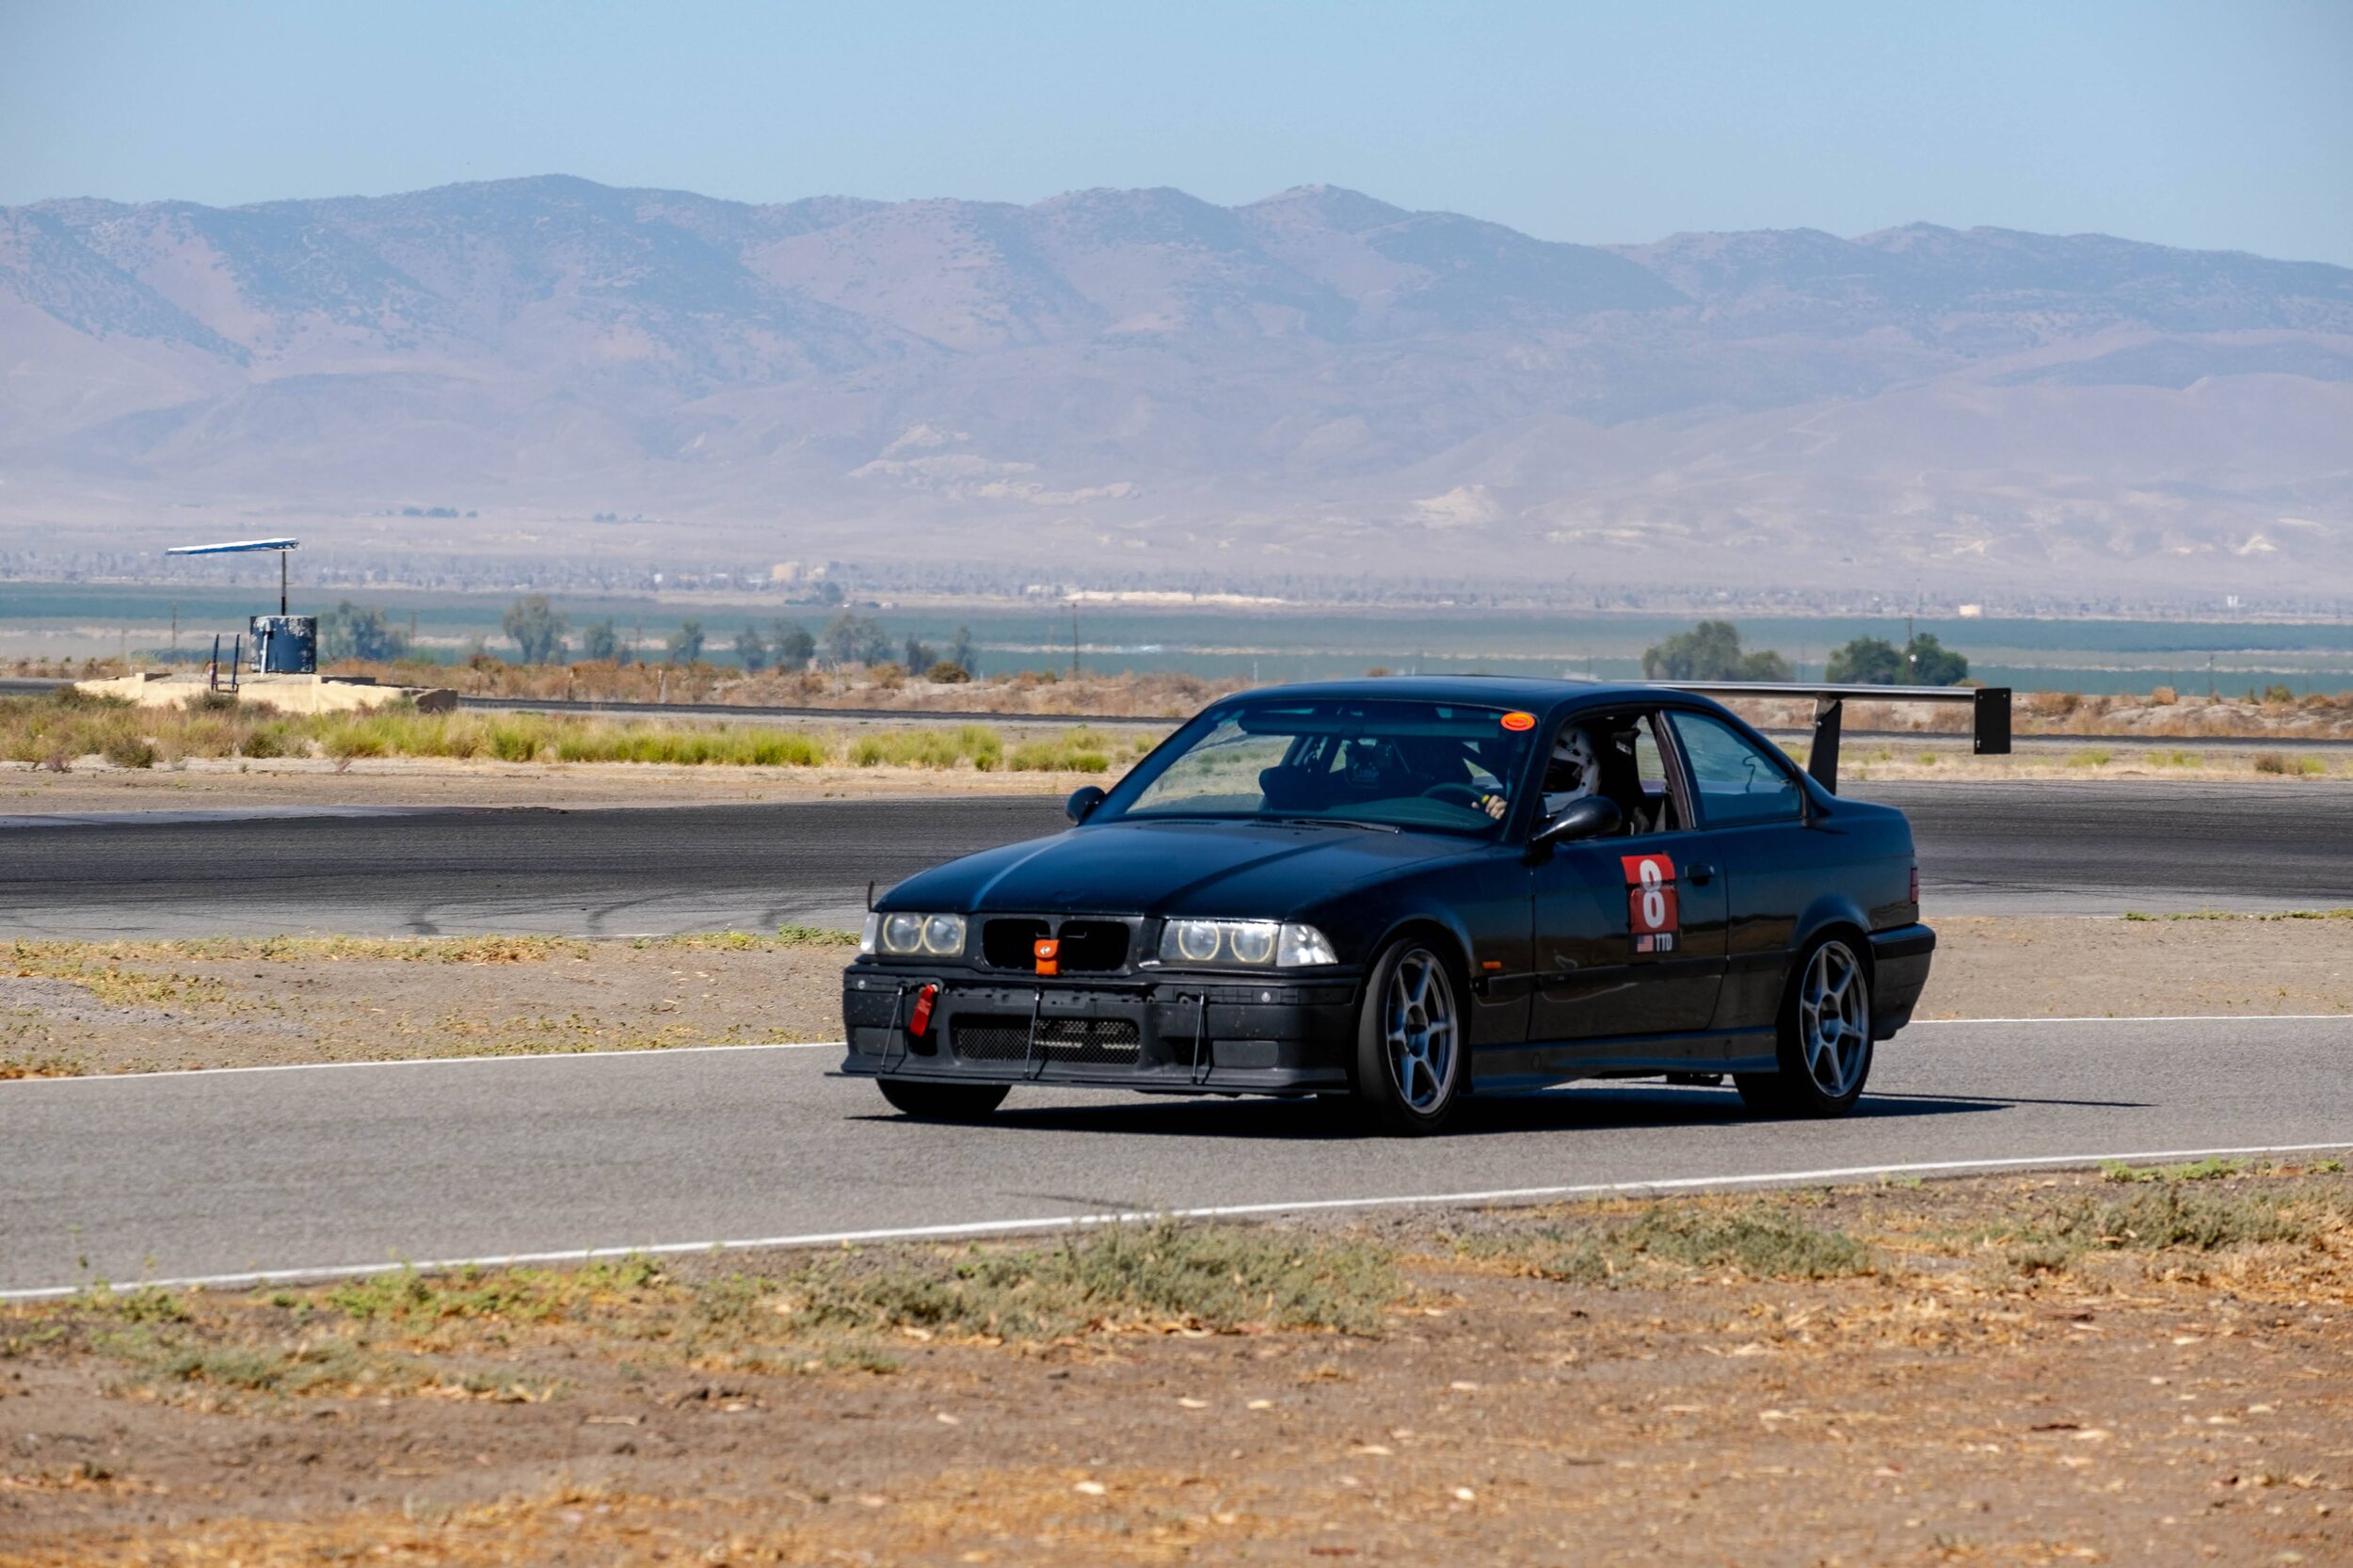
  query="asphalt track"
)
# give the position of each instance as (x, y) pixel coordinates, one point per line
(1985, 848)
(173, 1177)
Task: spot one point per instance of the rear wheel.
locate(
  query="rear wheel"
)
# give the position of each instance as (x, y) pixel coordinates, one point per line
(1410, 1047)
(1824, 1038)
(943, 1102)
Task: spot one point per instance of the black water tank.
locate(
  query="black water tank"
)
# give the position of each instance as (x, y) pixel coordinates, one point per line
(285, 644)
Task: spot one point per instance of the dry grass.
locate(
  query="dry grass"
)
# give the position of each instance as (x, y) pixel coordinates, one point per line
(1023, 692)
(407, 1333)
(75, 959)
(2142, 1367)
(1160, 1515)
(1664, 1241)
(56, 732)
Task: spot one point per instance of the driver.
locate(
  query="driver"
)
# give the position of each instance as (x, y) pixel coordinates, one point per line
(1573, 772)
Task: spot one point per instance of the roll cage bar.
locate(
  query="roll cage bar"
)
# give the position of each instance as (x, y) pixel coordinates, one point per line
(1989, 712)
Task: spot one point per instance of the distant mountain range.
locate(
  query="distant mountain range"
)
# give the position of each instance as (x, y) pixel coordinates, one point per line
(1141, 382)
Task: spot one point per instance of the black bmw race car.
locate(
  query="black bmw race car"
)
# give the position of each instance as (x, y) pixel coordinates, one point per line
(1405, 890)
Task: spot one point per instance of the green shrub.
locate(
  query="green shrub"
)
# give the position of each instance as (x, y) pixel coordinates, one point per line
(516, 741)
(1218, 1277)
(911, 748)
(1764, 1241)
(1073, 751)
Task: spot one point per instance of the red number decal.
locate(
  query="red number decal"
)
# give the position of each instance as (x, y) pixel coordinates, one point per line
(1650, 893)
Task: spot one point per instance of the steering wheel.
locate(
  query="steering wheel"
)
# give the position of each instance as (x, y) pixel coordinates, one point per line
(1463, 796)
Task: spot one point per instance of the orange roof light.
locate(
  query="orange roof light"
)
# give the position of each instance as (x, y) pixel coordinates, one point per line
(1516, 722)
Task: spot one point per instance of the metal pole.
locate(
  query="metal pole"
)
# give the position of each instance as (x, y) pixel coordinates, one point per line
(281, 582)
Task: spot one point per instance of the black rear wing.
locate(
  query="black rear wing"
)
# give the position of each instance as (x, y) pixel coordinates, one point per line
(1989, 712)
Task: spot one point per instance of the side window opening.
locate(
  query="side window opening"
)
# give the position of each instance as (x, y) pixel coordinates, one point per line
(1736, 783)
(1615, 755)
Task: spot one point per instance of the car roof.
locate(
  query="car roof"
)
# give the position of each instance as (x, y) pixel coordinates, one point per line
(1494, 691)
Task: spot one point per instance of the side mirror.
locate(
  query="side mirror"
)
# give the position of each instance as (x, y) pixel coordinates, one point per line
(1589, 818)
(1082, 801)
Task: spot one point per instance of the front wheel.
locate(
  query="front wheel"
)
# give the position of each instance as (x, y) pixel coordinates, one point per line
(1824, 1042)
(1410, 1046)
(942, 1102)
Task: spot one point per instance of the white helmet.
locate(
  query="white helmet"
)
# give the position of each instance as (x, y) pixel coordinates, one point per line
(1574, 770)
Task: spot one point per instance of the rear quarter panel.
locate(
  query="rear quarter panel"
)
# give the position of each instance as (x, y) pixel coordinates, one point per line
(1849, 864)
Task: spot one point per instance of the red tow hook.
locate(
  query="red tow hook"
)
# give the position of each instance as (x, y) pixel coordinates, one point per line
(919, 1021)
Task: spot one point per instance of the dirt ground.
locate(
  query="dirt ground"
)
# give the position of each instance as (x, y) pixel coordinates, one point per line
(67, 1007)
(241, 783)
(2145, 1368)
(241, 1002)
(2043, 967)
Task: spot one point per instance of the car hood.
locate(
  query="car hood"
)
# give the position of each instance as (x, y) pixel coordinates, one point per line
(1173, 867)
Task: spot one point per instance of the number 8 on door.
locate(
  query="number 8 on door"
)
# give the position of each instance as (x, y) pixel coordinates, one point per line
(1650, 896)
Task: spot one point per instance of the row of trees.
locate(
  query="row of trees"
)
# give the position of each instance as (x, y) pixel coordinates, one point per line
(1876, 662)
(1712, 651)
(541, 636)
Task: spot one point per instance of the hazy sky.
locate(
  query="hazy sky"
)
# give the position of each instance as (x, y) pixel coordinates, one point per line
(2196, 124)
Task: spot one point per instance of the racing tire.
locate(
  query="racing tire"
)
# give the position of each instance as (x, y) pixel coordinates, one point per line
(943, 1102)
(1823, 1039)
(1411, 1050)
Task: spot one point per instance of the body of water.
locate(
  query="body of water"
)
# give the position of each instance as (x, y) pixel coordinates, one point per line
(1271, 644)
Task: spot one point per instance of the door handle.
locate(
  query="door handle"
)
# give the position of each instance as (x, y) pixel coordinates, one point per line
(1699, 873)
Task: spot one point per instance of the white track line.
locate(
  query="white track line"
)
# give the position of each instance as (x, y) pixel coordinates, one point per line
(1220, 1211)
(2151, 1018)
(427, 1062)
(838, 1045)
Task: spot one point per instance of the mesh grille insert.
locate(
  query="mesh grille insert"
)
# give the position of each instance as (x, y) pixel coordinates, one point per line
(1005, 1037)
(1008, 944)
(1094, 946)
(1090, 947)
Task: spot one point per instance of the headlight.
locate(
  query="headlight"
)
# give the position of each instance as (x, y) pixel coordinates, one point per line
(902, 934)
(1303, 946)
(1192, 941)
(1250, 944)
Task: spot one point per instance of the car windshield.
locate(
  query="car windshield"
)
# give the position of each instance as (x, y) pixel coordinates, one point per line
(1421, 765)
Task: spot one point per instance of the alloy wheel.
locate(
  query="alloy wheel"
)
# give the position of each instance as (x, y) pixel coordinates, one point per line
(1834, 1019)
(1420, 1024)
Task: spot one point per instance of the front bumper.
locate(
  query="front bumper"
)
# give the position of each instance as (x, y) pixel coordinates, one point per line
(1212, 1034)
(1899, 971)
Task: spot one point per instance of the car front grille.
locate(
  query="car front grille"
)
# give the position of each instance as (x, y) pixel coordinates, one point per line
(1094, 947)
(1005, 1037)
(1088, 946)
(1009, 944)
